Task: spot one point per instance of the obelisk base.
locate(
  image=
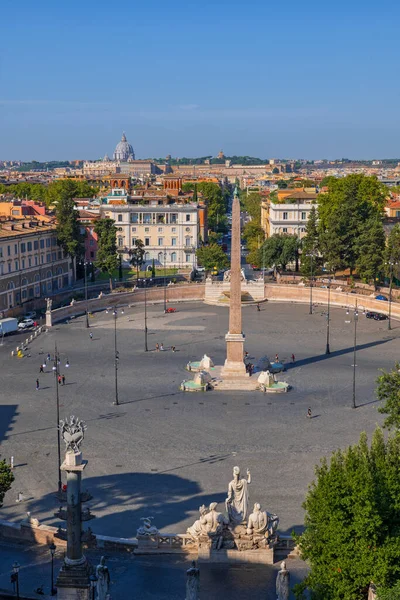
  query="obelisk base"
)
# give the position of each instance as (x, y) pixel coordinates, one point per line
(73, 582)
(234, 365)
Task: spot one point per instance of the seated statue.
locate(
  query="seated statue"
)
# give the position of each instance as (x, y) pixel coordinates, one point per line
(261, 522)
(199, 527)
(214, 521)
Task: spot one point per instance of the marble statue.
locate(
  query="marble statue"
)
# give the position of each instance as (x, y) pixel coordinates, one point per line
(237, 501)
(199, 527)
(283, 583)
(214, 520)
(262, 522)
(72, 432)
(49, 304)
(227, 275)
(192, 582)
(103, 580)
(147, 528)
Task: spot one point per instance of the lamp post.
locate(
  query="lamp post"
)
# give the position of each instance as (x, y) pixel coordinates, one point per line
(15, 578)
(93, 582)
(311, 255)
(392, 263)
(165, 282)
(145, 313)
(355, 319)
(52, 549)
(327, 349)
(86, 296)
(56, 374)
(116, 402)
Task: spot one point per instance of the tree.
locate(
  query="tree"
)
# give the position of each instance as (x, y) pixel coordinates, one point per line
(153, 269)
(120, 274)
(68, 228)
(107, 256)
(252, 205)
(389, 594)
(212, 256)
(388, 391)
(310, 244)
(194, 199)
(342, 212)
(137, 255)
(370, 248)
(216, 202)
(6, 479)
(352, 522)
(275, 170)
(392, 253)
(188, 186)
(278, 250)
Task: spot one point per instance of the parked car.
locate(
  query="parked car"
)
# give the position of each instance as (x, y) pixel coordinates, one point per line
(25, 324)
(30, 315)
(380, 297)
(375, 315)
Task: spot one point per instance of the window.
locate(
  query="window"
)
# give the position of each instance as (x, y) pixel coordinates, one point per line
(173, 229)
(147, 241)
(134, 218)
(23, 263)
(59, 255)
(160, 230)
(23, 247)
(173, 256)
(24, 295)
(48, 242)
(48, 257)
(54, 255)
(49, 275)
(187, 218)
(284, 230)
(29, 262)
(16, 265)
(161, 241)
(147, 256)
(397, 213)
(173, 241)
(54, 240)
(1, 269)
(187, 257)
(1, 252)
(9, 267)
(15, 248)
(146, 218)
(42, 244)
(303, 216)
(160, 257)
(24, 282)
(147, 229)
(29, 246)
(30, 292)
(119, 218)
(160, 219)
(187, 241)
(173, 218)
(91, 242)
(187, 229)
(36, 261)
(120, 241)
(285, 216)
(92, 255)
(133, 241)
(134, 229)
(36, 245)
(8, 250)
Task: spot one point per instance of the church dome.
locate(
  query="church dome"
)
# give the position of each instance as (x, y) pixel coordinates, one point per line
(124, 150)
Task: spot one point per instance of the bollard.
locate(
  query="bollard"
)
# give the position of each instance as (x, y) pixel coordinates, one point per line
(17, 348)
(31, 338)
(36, 333)
(26, 341)
(12, 353)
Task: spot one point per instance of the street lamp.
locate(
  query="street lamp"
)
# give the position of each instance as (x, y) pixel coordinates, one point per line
(311, 255)
(145, 281)
(86, 295)
(392, 263)
(356, 307)
(327, 349)
(116, 353)
(165, 282)
(56, 375)
(15, 578)
(52, 549)
(93, 582)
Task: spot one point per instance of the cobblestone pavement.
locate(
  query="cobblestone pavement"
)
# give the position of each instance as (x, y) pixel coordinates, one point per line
(164, 453)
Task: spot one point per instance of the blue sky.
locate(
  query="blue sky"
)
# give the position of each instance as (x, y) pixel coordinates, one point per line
(270, 79)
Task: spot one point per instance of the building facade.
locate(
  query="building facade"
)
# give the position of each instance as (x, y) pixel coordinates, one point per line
(32, 264)
(170, 232)
(290, 215)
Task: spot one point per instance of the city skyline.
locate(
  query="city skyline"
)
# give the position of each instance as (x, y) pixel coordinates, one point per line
(268, 81)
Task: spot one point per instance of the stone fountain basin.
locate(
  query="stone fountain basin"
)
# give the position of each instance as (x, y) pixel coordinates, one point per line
(279, 387)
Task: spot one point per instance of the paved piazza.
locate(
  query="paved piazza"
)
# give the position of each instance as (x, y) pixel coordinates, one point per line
(164, 453)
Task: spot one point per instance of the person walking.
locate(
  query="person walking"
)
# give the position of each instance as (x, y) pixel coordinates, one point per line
(293, 358)
(63, 379)
(258, 307)
(41, 369)
(37, 384)
(173, 348)
(91, 335)
(309, 413)
(59, 379)
(162, 346)
(276, 358)
(157, 347)
(48, 357)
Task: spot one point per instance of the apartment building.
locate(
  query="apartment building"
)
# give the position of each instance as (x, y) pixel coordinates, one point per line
(289, 215)
(170, 230)
(32, 264)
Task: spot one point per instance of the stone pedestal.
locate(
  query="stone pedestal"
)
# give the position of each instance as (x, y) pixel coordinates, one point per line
(73, 582)
(234, 365)
(49, 321)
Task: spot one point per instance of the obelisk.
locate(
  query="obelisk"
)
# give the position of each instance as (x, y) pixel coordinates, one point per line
(234, 363)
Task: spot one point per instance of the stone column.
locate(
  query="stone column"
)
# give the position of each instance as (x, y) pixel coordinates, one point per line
(234, 364)
(73, 581)
(49, 321)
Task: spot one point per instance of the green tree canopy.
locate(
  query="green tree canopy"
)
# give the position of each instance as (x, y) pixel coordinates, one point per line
(352, 521)
(212, 256)
(310, 245)
(6, 479)
(107, 256)
(277, 251)
(392, 253)
(370, 248)
(388, 391)
(216, 201)
(137, 255)
(68, 228)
